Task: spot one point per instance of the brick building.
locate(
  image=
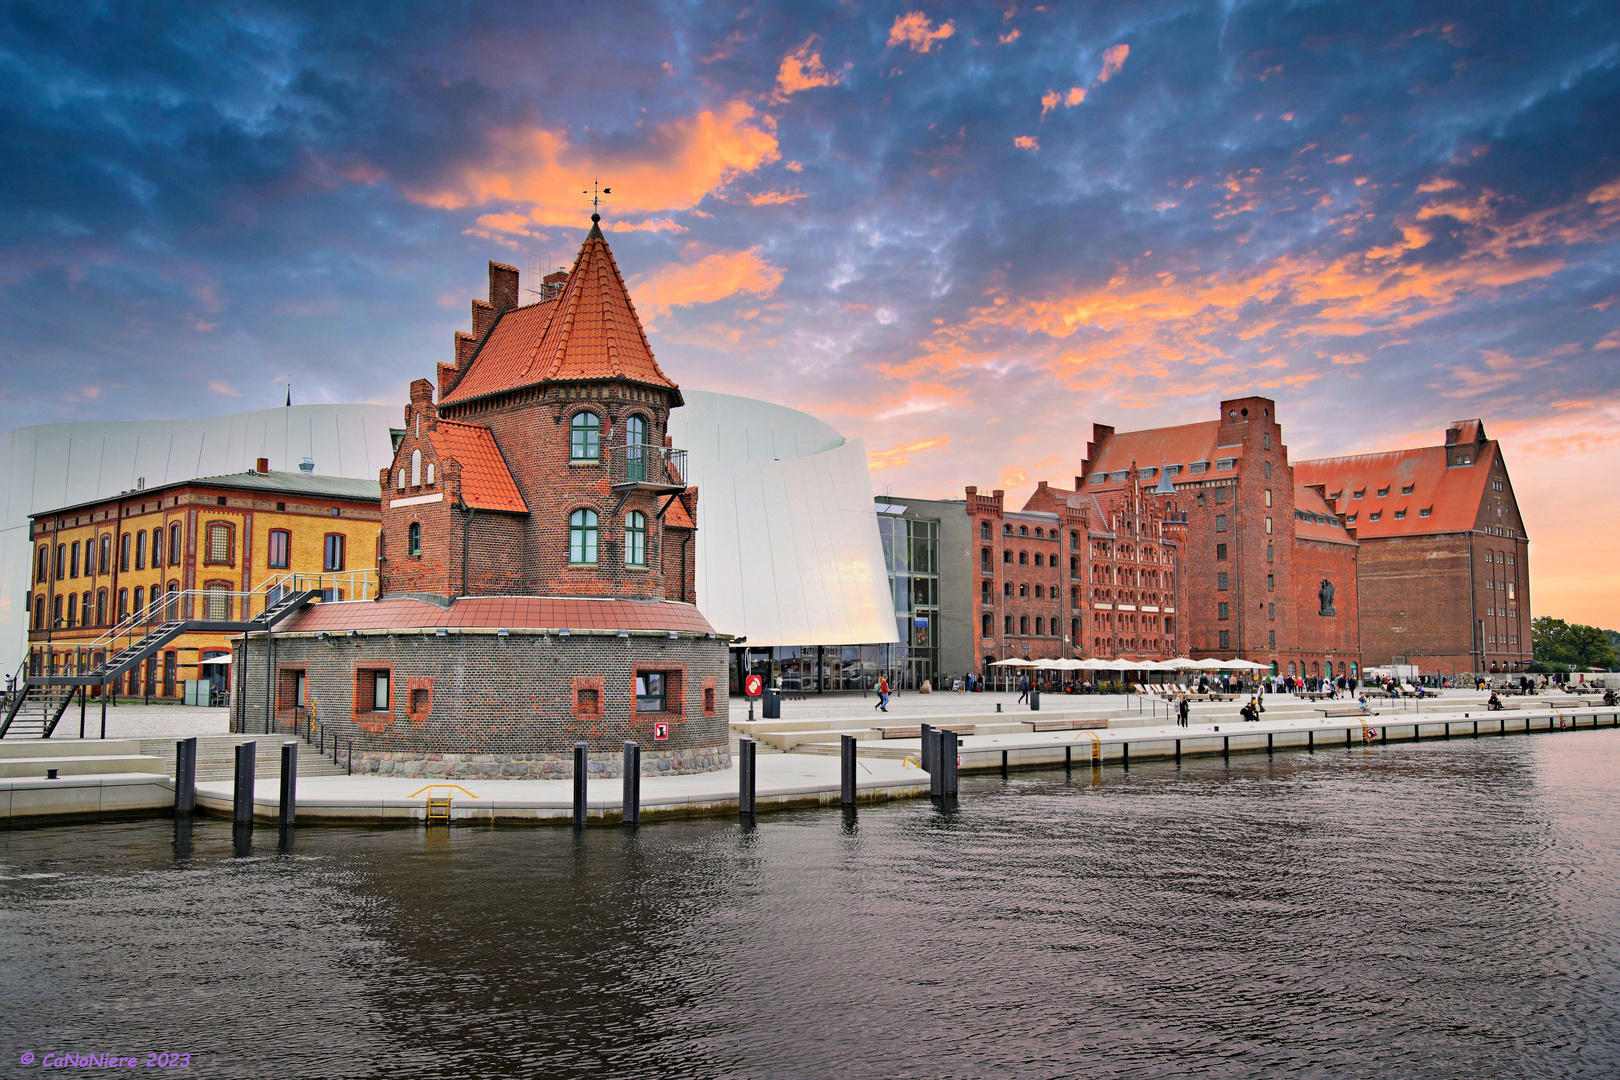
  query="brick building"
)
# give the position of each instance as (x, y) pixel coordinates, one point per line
(1444, 566)
(537, 559)
(99, 565)
(1267, 571)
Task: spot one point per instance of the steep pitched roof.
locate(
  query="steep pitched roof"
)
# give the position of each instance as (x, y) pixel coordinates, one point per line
(486, 481)
(1314, 519)
(1451, 495)
(589, 332)
(1180, 445)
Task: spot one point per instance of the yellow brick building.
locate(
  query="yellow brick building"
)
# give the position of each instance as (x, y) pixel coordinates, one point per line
(225, 540)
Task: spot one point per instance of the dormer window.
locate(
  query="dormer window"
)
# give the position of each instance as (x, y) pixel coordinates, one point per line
(1337, 495)
(1361, 494)
(1198, 467)
(1425, 512)
(1400, 515)
(1382, 492)
(1375, 515)
(1226, 463)
(1407, 490)
(585, 437)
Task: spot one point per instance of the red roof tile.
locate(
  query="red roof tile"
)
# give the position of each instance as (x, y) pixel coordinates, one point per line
(1308, 502)
(1180, 445)
(1452, 496)
(516, 612)
(590, 331)
(486, 481)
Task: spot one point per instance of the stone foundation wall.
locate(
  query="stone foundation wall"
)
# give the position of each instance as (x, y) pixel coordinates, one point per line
(473, 703)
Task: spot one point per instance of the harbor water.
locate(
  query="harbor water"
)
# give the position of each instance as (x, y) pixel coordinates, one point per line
(1443, 909)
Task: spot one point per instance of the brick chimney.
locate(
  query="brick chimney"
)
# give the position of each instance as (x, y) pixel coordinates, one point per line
(262, 466)
(503, 286)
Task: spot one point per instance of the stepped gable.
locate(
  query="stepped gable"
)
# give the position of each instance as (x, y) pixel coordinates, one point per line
(486, 481)
(588, 333)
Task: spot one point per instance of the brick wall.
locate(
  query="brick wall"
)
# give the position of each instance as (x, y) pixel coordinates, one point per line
(1321, 639)
(503, 706)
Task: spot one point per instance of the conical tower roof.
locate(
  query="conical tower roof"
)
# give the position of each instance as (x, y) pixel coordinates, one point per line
(588, 333)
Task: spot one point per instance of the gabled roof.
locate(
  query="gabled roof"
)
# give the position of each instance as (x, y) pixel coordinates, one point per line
(588, 332)
(1309, 503)
(1180, 445)
(678, 515)
(525, 612)
(1451, 495)
(486, 481)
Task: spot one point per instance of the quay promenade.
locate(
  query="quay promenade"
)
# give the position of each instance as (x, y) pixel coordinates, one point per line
(797, 762)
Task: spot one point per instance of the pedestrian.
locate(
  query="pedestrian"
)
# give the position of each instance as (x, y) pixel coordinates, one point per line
(1183, 710)
(883, 693)
(1023, 688)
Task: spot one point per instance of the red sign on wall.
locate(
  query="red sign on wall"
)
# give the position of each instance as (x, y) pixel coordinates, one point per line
(753, 686)
(661, 729)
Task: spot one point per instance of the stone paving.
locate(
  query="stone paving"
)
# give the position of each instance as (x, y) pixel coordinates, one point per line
(144, 722)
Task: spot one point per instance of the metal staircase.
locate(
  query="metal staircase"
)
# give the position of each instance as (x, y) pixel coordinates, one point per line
(141, 636)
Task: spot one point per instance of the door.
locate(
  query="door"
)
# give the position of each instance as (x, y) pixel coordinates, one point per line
(218, 676)
(917, 670)
(635, 448)
(170, 662)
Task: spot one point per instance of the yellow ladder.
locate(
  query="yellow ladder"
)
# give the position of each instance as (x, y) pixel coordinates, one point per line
(438, 800)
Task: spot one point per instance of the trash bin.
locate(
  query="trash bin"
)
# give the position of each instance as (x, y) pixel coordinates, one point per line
(773, 704)
(1034, 701)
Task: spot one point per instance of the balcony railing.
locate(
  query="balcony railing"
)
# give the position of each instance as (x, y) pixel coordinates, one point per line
(647, 467)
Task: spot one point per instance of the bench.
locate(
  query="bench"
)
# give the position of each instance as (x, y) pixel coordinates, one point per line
(1066, 725)
(1340, 714)
(915, 732)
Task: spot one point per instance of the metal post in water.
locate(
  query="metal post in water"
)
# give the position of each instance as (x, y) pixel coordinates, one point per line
(632, 783)
(746, 786)
(936, 776)
(581, 770)
(846, 770)
(1269, 746)
(948, 763)
(927, 748)
(1004, 764)
(185, 777)
(289, 783)
(242, 801)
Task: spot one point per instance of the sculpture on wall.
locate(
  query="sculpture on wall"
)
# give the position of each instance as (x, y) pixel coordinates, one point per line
(1325, 595)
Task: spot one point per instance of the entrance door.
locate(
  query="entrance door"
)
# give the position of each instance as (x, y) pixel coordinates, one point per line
(917, 670)
(218, 676)
(170, 662)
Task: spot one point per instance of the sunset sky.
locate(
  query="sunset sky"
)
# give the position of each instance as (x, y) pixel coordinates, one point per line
(963, 231)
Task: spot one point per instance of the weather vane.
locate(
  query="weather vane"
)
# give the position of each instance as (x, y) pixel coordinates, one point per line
(596, 193)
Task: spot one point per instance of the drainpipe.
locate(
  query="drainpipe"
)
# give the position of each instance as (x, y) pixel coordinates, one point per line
(466, 526)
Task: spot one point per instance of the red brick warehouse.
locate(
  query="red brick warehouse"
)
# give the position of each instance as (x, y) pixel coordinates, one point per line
(536, 560)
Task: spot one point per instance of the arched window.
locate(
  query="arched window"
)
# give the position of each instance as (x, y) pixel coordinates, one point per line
(399, 480)
(1006, 556)
(585, 437)
(1038, 534)
(984, 559)
(413, 539)
(56, 612)
(1023, 624)
(1039, 622)
(984, 530)
(72, 609)
(140, 598)
(635, 447)
(1074, 540)
(39, 611)
(416, 468)
(1006, 624)
(90, 558)
(1023, 530)
(1023, 558)
(123, 604)
(635, 538)
(1274, 669)
(430, 473)
(582, 535)
(984, 592)
(140, 551)
(1037, 558)
(219, 543)
(174, 544)
(171, 604)
(280, 549)
(985, 624)
(44, 572)
(101, 607)
(217, 600)
(157, 546)
(1074, 630)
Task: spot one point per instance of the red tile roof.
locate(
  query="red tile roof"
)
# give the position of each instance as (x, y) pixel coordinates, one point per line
(1312, 505)
(486, 481)
(1451, 495)
(489, 612)
(1180, 445)
(590, 331)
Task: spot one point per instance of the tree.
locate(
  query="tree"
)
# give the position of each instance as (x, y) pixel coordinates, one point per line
(1580, 646)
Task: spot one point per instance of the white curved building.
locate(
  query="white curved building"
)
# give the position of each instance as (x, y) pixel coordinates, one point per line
(787, 543)
(54, 465)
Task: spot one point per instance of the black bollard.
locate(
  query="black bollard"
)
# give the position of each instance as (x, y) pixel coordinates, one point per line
(746, 785)
(936, 776)
(582, 766)
(1268, 743)
(1068, 758)
(185, 777)
(632, 784)
(948, 763)
(1178, 751)
(928, 748)
(1004, 764)
(242, 805)
(289, 782)
(846, 770)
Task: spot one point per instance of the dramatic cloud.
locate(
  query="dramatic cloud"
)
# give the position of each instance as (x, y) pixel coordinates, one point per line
(914, 30)
(802, 70)
(712, 277)
(1113, 59)
(536, 170)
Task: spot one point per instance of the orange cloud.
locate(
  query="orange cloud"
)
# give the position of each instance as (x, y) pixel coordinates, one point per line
(713, 277)
(900, 453)
(1049, 101)
(774, 198)
(1052, 99)
(1027, 142)
(802, 70)
(534, 173)
(1113, 59)
(1010, 36)
(913, 29)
